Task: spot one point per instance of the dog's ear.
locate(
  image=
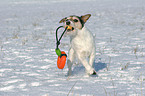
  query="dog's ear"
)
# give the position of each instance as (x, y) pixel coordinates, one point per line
(62, 20)
(84, 18)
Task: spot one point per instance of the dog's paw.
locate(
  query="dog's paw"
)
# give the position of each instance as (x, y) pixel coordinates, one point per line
(94, 73)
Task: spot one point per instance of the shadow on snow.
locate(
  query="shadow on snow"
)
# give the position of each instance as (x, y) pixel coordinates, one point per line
(99, 66)
(79, 69)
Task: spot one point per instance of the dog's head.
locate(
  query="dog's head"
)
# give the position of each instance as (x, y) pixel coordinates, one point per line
(75, 22)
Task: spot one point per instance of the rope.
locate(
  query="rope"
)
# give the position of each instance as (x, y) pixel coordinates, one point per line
(58, 41)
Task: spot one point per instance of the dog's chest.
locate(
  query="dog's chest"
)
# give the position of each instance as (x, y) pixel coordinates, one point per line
(83, 40)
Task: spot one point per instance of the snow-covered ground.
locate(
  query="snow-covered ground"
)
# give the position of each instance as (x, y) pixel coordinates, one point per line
(27, 48)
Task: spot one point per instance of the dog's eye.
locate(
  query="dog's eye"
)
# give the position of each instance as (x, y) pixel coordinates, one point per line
(75, 20)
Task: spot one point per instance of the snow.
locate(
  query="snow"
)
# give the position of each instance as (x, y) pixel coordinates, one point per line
(27, 48)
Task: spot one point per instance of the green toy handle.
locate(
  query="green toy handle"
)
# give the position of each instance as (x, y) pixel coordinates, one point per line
(58, 52)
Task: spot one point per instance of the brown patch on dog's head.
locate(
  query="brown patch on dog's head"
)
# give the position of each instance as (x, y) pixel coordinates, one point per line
(62, 20)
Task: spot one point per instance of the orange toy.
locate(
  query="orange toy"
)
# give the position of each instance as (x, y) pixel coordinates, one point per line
(61, 60)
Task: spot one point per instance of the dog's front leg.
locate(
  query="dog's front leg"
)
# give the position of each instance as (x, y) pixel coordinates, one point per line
(70, 60)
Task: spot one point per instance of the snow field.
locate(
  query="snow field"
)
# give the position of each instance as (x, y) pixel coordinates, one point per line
(27, 44)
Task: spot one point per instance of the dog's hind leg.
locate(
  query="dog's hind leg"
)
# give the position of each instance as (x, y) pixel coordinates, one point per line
(86, 64)
(70, 60)
(92, 58)
(91, 62)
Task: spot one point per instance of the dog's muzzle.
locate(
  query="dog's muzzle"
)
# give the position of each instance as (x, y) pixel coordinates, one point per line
(69, 28)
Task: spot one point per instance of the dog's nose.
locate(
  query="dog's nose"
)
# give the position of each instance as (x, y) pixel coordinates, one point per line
(68, 22)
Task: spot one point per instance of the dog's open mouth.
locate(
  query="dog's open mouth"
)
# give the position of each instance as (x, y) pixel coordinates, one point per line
(70, 28)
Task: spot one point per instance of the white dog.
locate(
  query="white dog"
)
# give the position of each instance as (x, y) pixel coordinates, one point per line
(82, 43)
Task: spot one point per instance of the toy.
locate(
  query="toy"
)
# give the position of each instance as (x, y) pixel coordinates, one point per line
(69, 27)
(61, 60)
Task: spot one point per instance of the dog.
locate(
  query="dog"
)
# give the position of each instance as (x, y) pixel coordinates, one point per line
(82, 43)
